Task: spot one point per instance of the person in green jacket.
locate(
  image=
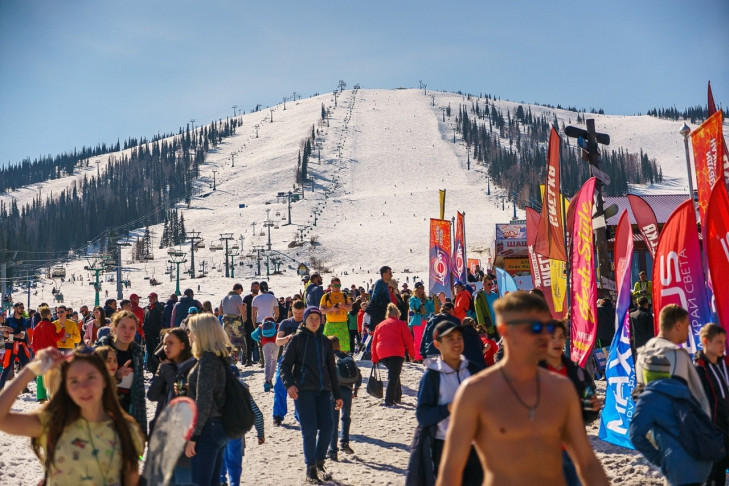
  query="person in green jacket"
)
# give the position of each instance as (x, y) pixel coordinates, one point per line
(643, 288)
(483, 303)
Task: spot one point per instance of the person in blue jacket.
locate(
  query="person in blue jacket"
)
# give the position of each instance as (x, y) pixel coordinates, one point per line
(427, 348)
(654, 414)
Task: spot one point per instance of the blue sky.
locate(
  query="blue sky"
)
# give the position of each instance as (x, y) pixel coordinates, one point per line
(86, 72)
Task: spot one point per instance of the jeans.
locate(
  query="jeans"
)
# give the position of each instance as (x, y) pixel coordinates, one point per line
(280, 407)
(208, 458)
(315, 414)
(232, 462)
(569, 471)
(394, 390)
(346, 419)
(151, 343)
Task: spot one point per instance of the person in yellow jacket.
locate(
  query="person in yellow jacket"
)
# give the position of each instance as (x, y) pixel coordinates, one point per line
(73, 335)
(335, 305)
(643, 288)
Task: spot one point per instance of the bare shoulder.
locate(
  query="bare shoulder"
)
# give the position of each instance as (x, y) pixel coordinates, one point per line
(480, 383)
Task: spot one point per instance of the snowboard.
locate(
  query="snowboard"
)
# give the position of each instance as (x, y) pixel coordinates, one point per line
(576, 132)
(172, 430)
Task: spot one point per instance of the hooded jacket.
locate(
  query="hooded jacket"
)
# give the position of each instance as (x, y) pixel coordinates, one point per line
(391, 338)
(713, 378)
(426, 343)
(654, 413)
(308, 363)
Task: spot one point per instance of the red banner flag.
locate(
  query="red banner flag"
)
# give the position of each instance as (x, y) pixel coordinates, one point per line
(708, 144)
(710, 105)
(458, 260)
(584, 284)
(473, 263)
(440, 255)
(647, 222)
(550, 234)
(678, 273)
(717, 249)
(539, 267)
(711, 108)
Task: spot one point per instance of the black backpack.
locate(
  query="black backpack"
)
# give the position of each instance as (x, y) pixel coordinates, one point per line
(237, 412)
(347, 371)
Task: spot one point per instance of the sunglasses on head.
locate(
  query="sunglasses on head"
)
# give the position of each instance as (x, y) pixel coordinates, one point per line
(536, 326)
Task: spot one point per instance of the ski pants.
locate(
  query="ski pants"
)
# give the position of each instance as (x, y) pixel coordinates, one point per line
(232, 462)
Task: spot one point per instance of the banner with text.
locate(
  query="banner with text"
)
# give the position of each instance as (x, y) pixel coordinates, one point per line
(717, 249)
(550, 233)
(540, 265)
(708, 145)
(440, 257)
(646, 220)
(584, 285)
(620, 369)
(678, 274)
(458, 260)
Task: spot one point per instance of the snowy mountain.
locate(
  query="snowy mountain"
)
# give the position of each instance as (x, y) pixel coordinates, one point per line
(384, 155)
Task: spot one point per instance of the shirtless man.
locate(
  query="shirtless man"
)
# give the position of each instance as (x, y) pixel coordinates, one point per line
(517, 415)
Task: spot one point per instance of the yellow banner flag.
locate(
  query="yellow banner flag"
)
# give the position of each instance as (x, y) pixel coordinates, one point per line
(442, 203)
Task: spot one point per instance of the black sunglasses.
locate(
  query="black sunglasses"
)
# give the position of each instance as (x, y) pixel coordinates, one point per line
(536, 326)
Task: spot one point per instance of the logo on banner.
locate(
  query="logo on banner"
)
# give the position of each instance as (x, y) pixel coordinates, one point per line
(439, 266)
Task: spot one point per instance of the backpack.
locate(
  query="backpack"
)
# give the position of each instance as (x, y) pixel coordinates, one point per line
(328, 299)
(237, 412)
(701, 439)
(347, 371)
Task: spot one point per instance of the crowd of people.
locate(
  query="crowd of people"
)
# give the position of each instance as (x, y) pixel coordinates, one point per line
(499, 401)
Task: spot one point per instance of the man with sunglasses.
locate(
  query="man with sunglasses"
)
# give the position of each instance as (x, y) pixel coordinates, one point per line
(517, 415)
(72, 336)
(335, 305)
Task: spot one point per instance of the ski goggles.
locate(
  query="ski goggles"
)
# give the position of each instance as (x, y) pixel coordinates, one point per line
(536, 326)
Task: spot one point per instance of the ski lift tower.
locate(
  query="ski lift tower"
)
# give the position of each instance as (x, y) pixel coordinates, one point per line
(226, 237)
(268, 223)
(119, 245)
(97, 264)
(177, 258)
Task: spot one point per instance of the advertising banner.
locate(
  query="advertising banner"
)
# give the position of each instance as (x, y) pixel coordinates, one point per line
(647, 222)
(440, 251)
(458, 260)
(584, 285)
(717, 249)
(550, 234)
(511, 241)
(620, 368)
(678, 275)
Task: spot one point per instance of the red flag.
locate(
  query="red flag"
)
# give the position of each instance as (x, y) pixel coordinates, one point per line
(584, 283)
(678, 274)
(711, 107)
(539, 264)
(708, 145)
(647, 222)
(550, 234)
(717, 249)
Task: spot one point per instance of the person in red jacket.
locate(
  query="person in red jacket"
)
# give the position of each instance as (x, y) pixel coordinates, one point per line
(45, 336)
(389, 342)
(139, 312)
(462, 301)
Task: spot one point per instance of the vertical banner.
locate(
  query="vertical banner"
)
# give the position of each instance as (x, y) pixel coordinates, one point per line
(539, 267)
(472, 263)
(646, 220)
(442, 193)
(505, 282)
(620, 369)
(550, 235)
(584, 285)
(717, 249)
(440, 251)
(678, 275)
(711, 106)
(458, 260)
(708, 145)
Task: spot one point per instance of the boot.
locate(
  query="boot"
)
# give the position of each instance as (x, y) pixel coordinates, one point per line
(312, 475)
(323, 474)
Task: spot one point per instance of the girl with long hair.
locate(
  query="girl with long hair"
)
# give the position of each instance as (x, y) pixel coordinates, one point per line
(130, 357)
(206, 385)
(81, 435)
(177, 361)
(93, 326)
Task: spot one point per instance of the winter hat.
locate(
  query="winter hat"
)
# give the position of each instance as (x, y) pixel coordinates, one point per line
(263, 286)
(311, 309)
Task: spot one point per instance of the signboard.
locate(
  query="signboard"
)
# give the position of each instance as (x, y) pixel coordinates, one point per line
(302, 270)
(516, 265)
(511, 240)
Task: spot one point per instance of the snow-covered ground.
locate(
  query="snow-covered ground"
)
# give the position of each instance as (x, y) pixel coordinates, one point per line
(384, 155)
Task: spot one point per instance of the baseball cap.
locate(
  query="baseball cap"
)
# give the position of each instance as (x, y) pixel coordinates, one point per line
(457, 283)
(448, 306)
(419, 284)
(133, 296)
(445, 327)
(153, 294)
